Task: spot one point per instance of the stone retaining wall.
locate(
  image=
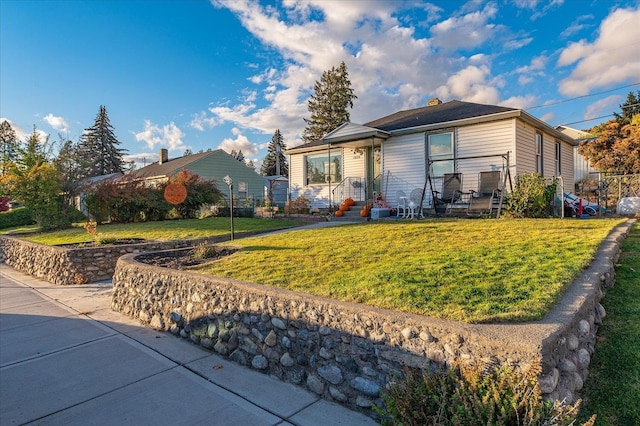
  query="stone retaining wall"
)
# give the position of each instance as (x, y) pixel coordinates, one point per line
(347, 352)
(78, 265)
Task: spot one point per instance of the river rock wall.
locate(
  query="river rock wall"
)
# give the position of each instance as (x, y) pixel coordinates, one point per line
(348, 352)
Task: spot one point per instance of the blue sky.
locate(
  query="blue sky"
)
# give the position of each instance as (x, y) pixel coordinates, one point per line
(226, 74)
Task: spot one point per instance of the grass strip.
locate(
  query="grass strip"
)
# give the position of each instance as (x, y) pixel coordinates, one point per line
(162, 231)
(612, 390)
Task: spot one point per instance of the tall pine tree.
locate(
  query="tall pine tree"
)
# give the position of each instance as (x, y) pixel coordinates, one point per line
(98, 148)
(329, 104)
(275, 151)
(9, 146)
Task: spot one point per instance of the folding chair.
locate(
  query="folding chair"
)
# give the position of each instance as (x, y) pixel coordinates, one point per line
(451, 192)
(488, 190)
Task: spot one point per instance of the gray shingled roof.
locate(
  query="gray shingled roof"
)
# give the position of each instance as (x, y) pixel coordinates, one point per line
(442, 113)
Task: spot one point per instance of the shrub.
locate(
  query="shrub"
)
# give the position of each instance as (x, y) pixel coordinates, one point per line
(472, 396)
(298, 206)
(14, 218)
(204, 251)
(531, 197)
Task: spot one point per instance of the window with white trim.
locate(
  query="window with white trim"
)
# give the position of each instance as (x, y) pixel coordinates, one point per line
(539, 163)
(441, 146)
(558, 161)
(322, 168)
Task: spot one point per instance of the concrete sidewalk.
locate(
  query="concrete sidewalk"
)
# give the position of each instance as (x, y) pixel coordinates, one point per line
(67, 358)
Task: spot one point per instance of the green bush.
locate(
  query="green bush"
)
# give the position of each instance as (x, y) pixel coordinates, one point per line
(472, 396)
(14, 218)
(531, 197)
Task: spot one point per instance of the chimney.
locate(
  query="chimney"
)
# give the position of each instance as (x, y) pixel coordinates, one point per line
(434, 102)
(164, 156)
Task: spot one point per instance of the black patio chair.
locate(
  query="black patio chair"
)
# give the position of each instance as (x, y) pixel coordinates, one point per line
(481, 201)
(451, 193)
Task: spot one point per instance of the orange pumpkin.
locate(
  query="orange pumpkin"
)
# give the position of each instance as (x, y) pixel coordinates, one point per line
(338, 213)
(344, 207)
(364, 213)
(349, 201)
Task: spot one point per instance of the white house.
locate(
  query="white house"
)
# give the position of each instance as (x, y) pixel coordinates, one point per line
(414, 148)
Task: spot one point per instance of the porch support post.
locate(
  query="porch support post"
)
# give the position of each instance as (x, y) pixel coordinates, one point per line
(329, 180)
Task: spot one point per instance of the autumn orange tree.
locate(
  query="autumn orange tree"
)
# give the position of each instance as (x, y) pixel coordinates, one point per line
(616, 147)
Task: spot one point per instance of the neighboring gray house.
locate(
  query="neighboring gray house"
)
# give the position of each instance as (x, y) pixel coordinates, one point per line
(400, 152)
(208, 165)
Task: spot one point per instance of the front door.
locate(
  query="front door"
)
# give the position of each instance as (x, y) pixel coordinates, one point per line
(374, 169)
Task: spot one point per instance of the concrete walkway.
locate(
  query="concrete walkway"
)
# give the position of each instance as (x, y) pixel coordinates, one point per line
(67, 358)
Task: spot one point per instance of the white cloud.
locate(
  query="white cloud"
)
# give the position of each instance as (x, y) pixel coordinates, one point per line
(58, 123)
(169, 136)
(477, 29)
(471, 84)
(240, 143)
(390, 66)
(604, 106)
(613, 58)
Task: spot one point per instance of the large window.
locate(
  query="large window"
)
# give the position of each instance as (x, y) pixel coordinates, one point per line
(539, 162)
(324, 169)
(441, 147)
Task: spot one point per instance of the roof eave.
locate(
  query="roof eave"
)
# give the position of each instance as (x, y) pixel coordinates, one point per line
(485, 119)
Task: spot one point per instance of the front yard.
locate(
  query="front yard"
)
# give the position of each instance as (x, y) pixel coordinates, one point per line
(464, 270)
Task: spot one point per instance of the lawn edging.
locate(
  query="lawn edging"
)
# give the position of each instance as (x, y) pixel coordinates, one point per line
(347, 352)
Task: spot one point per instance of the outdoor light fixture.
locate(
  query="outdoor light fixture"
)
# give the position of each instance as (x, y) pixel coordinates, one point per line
(229, 182)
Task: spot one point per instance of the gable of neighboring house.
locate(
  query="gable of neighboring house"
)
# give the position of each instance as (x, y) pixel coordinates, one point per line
(209, 165)
(392, 153)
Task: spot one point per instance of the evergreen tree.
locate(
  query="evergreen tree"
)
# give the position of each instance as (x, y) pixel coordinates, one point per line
(251, 165)
(329, 104)
(187, 151)
(34, 152)
(69, 166)
(237, 155)
(275, 151)
(629, 109)
(98, 148)
(9, 146)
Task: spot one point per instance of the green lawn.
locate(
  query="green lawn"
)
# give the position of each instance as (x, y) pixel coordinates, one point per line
(164, 231)
(612, 390)
(464, 270)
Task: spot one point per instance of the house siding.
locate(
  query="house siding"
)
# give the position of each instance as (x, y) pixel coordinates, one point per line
(567, 165)
(403, 166)
(525, 155)
(525, 160)
(483, 139)
(219, 165)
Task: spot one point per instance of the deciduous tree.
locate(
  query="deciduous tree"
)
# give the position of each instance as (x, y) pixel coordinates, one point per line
(330, 103)
(616, 148)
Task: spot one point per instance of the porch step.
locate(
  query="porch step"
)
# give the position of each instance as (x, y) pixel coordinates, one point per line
(352, 215)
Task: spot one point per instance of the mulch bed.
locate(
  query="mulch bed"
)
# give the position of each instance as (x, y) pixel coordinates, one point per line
(181, 259)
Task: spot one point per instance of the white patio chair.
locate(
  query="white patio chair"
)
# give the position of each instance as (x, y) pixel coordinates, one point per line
(415, 203)
(401, 203)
